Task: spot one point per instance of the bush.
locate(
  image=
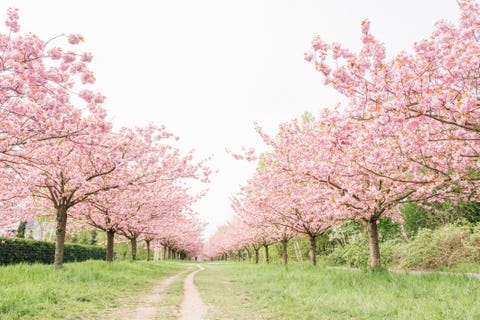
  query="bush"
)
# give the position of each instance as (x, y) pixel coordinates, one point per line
(356, 253)
(123, 251)
(443, 247)
(30, 251)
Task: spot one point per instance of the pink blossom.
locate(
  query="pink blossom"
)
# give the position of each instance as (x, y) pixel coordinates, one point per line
(75, 38)
(87, 57)
(308, 56)
(12, 20)
(55, 53)
(69, 57)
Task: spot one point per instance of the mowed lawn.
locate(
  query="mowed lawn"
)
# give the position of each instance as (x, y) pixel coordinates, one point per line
(248, 291)
(84, 290)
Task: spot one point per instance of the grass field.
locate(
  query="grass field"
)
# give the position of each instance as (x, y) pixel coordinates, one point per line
(90, 290)
(247, 291)
(85, 290)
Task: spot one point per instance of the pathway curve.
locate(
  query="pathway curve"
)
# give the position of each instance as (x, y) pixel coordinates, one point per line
(146, 309)
(192, 307)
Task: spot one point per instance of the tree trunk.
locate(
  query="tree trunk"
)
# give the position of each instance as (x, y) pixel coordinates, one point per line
(256, 254)
(267, 258)
(60, 236)
(313, 250)
(110, 240)
(403, 232)
(248, 254)
(148, 249)
(372, 232)
(164, 256)
(133, 242)
(284, 251)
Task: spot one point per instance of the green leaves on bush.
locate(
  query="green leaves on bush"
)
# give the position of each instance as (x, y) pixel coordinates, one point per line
(446, 246)
(443, 247)
(26, 250)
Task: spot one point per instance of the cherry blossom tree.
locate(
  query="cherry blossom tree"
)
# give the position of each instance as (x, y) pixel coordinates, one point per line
(40, 125)
(69, 174)
(423, 104)
(434, 88)
(151, 179)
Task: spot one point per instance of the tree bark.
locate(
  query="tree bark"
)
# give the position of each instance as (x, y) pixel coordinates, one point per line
(313, 250)
(256, 254)
(133, 242)
(248, 254)
(372, 232)
(148, 249)
(284, 251)
(60, 237)
(403, 232)
(267, 258)
(110, 240)
(164, 256)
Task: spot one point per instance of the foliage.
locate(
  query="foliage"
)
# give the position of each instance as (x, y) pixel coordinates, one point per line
(418, 217)
(30, 251)
(123, 251)
(84, 236)
(21, 229)
(354, 254)
(446, 246)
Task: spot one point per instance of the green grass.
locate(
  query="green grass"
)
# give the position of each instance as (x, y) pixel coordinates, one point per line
(84, 290)
(247, 291)
(462, 267)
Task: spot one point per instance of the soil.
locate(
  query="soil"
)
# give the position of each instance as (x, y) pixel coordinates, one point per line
(192, 307)
(146, 308)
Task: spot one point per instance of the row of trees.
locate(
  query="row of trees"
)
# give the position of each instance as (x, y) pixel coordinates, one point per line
(410, 132)
(62, 157)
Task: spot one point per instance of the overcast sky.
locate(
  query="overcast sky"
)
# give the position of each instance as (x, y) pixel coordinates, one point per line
(208, 69)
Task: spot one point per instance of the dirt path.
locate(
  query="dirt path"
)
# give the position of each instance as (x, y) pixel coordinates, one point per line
(146, 308)
(192, 307)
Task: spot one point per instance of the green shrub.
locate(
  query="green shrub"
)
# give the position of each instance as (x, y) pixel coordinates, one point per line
(26, 250)
(443, 247)
(356, 253)
(123, 251)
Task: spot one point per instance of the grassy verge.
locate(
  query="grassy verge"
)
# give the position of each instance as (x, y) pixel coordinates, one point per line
(246, 291)
(84, 290)
(225, 296)
(462, 267)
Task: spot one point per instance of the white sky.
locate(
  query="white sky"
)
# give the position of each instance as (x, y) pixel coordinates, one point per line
(208, 68)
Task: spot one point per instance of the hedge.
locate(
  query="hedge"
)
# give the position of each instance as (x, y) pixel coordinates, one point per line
(14, 250)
